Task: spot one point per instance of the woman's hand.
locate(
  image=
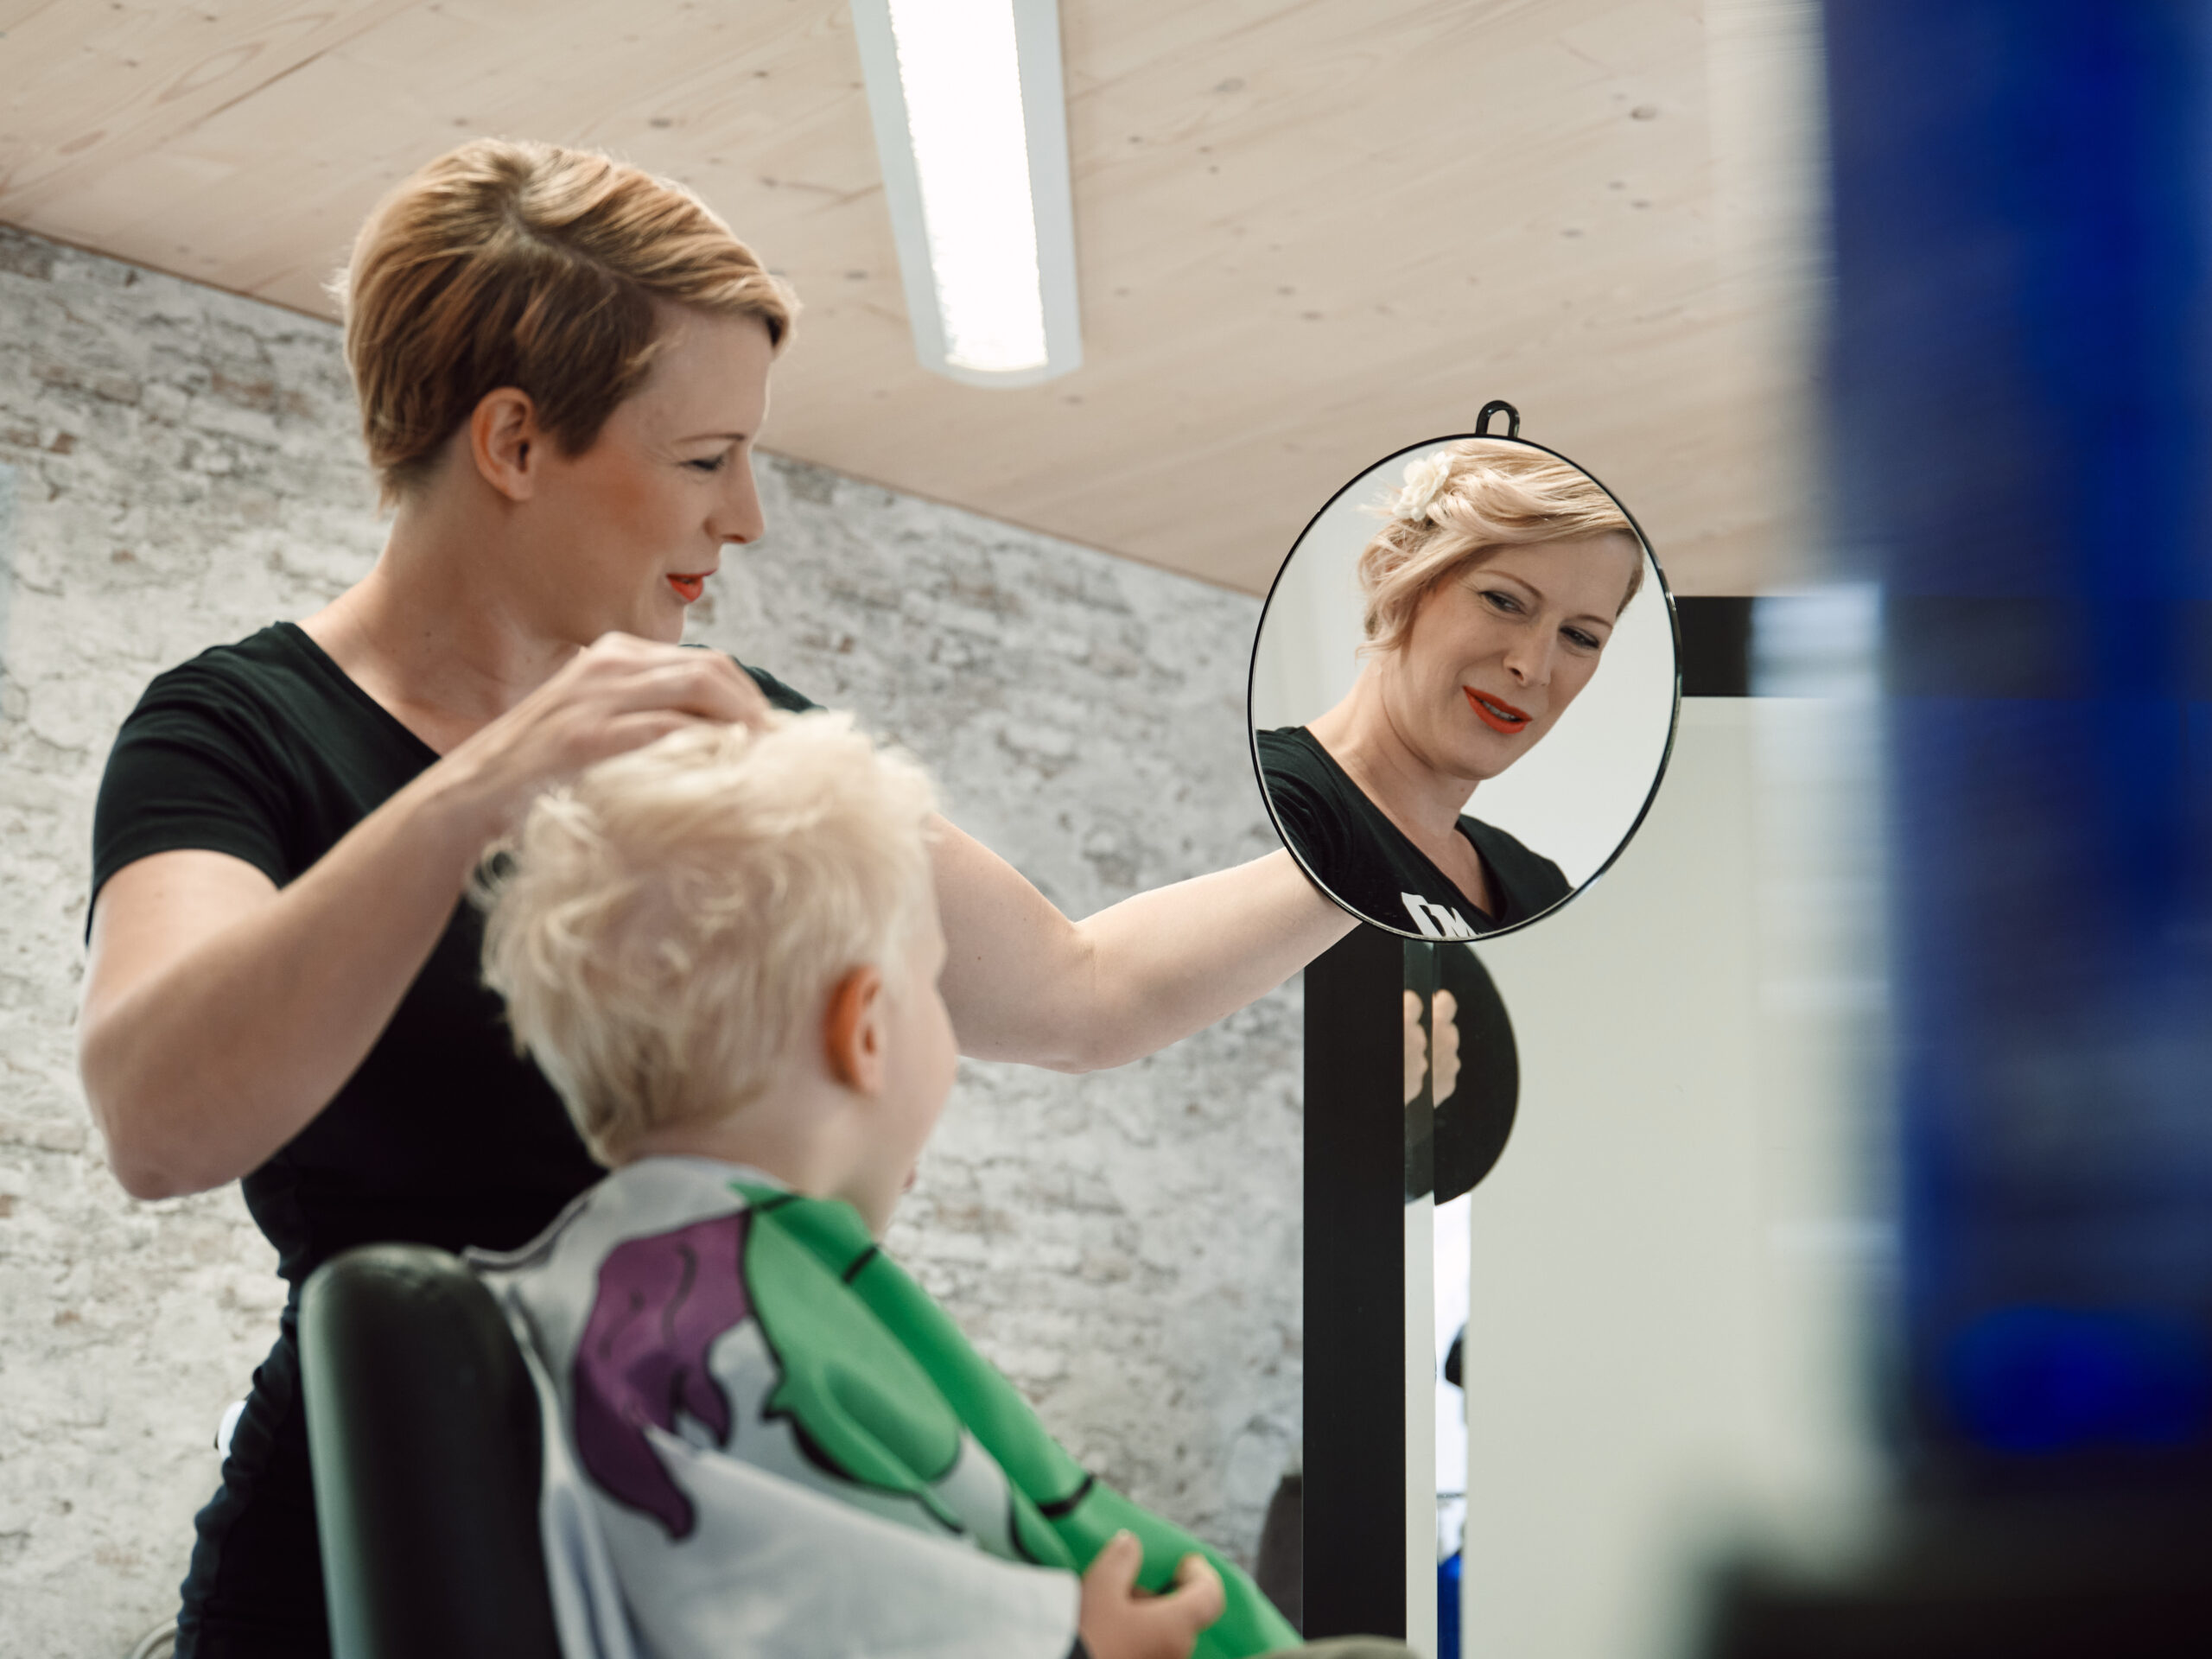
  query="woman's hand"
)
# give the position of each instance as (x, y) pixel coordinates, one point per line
(1119, 1621)
(619, 694)
(220, 1013)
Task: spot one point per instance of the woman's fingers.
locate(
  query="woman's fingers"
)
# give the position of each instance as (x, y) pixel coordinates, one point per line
(703, 683)
(620, 693)
(620, 676)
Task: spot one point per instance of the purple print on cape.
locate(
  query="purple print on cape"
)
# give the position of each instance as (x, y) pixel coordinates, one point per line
(661, 1303)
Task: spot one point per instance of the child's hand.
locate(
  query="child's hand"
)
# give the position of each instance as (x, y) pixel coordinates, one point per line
(1119, 1621)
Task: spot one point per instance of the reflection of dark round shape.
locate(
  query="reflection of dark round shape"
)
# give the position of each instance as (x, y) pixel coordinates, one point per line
(1473, 1121)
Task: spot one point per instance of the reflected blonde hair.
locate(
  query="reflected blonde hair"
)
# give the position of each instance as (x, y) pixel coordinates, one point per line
(506, 263)
(669, 925)
(1459, 505)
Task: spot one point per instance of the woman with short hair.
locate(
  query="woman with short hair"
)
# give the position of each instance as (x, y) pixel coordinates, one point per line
(1492, 590)
(562, 366)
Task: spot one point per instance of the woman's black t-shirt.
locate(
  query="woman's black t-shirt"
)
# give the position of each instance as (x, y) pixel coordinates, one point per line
(267, 750)
(1367, 863)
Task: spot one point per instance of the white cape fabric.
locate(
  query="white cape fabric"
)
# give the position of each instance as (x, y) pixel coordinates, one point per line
(782, 1559)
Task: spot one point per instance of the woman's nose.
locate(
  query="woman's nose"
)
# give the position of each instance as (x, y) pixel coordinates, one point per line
(738, 517)
(1529, 659)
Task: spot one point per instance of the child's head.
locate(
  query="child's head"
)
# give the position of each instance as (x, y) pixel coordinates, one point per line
(687, 924)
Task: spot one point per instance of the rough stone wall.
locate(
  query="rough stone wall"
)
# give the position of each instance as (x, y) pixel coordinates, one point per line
(178, 467)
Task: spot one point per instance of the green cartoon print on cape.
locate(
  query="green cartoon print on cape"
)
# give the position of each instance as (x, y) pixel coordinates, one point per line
(879, 1387)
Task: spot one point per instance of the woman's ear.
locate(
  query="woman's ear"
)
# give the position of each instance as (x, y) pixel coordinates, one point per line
(853, 1035)
(505, 442)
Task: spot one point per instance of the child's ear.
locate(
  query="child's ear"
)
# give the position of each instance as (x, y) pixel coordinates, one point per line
(852, 1031)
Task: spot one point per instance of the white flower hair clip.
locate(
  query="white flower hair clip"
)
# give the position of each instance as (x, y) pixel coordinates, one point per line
(1426, 480)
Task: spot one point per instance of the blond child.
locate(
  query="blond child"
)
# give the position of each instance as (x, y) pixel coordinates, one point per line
(763, 1437)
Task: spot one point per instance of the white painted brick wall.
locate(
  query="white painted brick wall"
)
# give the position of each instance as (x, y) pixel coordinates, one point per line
(179, 467)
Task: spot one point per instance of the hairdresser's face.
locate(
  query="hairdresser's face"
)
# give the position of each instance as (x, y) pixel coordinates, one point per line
(921, 1058)
(1498, 651)
(633, 527)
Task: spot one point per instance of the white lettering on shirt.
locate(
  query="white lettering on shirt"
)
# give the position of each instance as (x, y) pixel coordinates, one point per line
(1435, 921)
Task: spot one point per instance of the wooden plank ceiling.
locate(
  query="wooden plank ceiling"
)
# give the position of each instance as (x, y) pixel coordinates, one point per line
(1309, 231)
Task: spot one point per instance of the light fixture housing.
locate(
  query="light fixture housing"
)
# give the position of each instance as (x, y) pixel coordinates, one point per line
(971, 128)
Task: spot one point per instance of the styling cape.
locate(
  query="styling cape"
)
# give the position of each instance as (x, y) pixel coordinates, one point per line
(763, 1438)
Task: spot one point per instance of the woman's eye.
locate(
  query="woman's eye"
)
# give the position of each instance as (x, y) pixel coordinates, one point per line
(1503, 602)
(709, 464)
(1582, 641)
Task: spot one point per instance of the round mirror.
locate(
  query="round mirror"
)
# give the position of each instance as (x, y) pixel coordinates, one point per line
(1464, 690)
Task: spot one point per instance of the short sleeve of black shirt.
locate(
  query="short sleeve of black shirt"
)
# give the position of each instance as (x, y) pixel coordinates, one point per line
(1366, 862)
(266, 751)
(199, 764)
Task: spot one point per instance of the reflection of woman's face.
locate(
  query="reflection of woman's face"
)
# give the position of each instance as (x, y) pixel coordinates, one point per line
(1498, 651)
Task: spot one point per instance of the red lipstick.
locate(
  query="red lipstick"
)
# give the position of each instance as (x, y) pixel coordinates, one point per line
(688, 588)
(1498, 716)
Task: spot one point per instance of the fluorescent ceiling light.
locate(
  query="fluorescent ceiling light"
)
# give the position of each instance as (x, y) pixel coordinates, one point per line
(969, 126)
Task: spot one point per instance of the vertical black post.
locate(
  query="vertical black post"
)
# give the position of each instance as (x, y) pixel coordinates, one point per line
(1355, 1550)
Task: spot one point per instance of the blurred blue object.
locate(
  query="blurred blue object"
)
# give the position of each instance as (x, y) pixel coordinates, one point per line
(1447, 1606)
(2040, 1379)
(2023, 422)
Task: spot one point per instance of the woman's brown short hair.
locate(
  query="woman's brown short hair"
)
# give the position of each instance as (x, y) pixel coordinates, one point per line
(504, 263)
(1460, 504)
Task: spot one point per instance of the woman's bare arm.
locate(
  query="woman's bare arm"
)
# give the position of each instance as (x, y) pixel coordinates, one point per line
(1025, 984)
(220, 1013)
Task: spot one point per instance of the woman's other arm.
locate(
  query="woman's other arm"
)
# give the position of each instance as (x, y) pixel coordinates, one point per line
(220, 1013)
(1025, 984)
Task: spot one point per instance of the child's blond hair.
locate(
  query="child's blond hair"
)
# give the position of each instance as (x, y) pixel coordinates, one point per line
(667, 927)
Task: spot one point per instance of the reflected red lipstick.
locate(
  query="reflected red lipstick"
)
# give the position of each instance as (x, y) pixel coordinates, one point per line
(689, 588)
(1498, 716)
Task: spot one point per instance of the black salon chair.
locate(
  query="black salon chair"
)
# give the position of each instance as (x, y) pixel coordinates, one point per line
(423, 1431)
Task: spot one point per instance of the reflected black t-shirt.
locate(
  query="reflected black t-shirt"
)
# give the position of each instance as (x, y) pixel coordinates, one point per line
(265, 750)
(1369, 865)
